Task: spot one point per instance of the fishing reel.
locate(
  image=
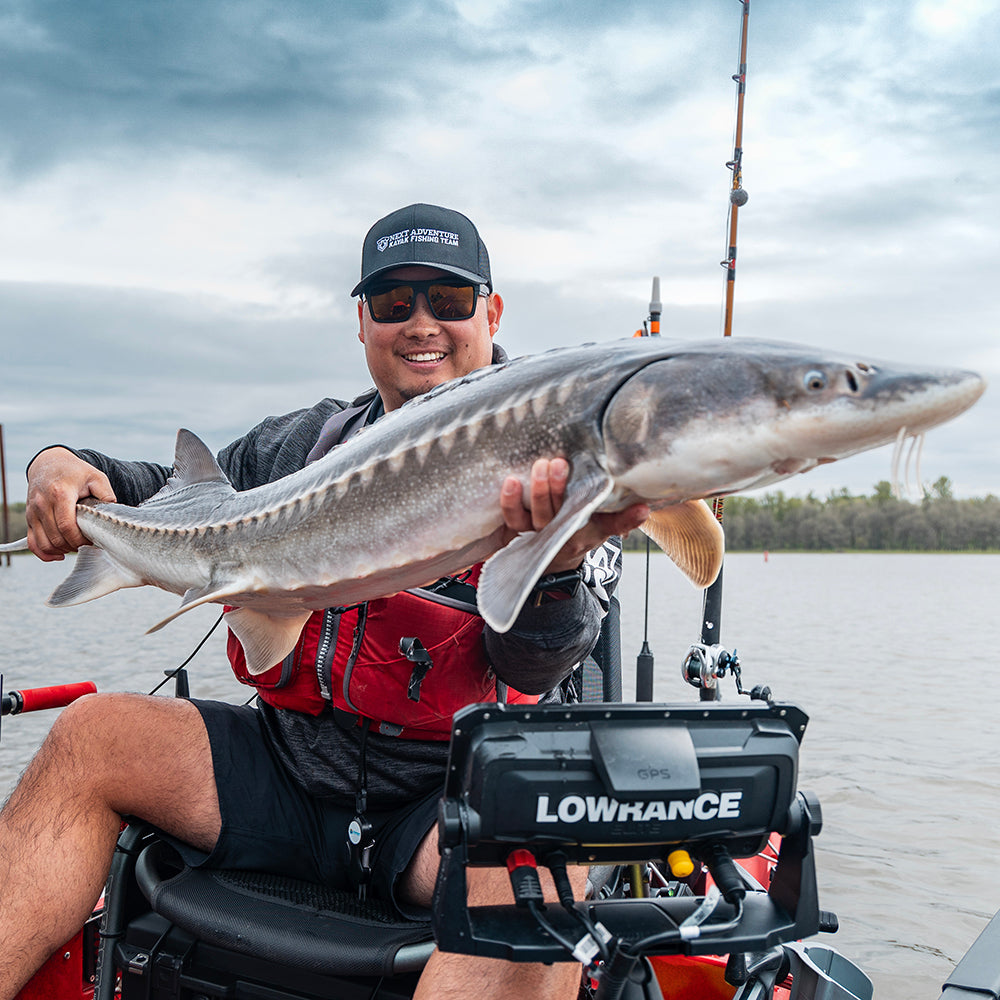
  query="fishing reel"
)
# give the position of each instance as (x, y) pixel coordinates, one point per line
(705, 665)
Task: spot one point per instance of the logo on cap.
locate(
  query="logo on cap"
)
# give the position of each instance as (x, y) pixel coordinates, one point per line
(417, 236)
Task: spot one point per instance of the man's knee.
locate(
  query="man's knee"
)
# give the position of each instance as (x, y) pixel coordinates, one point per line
(85, 735)
(88, 713)
(104, 741)
(77, 735)
(134, 755)
(486, 886)
(66, 774)
(416, 884)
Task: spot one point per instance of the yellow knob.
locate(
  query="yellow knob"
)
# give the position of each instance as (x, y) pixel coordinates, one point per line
(680, 864)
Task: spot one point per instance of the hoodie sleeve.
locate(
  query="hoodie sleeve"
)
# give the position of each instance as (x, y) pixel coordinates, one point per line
(274, 448)
(132, 482)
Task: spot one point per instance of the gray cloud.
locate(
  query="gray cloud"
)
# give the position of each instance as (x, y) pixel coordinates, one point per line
(602, 128)
(251, 79)
(144, 363)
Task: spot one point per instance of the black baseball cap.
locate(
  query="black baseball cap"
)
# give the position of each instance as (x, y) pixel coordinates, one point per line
(428, 235)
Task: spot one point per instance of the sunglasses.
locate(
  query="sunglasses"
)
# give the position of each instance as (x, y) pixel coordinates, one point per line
(393, 303)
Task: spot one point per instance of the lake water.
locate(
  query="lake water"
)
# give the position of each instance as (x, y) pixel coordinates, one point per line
(892, 657)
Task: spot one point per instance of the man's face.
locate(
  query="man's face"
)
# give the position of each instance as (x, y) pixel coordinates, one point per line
(409, 358)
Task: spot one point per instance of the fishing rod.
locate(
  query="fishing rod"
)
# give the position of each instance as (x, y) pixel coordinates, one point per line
(644, 662)
(40, 699)
(711, 616)
(3, 495)
(706, 661)
(737, 195)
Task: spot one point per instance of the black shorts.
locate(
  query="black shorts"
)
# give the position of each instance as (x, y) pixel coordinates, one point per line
(270, 824)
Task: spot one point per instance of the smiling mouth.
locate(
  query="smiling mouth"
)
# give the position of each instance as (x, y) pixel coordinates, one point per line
(425, 356)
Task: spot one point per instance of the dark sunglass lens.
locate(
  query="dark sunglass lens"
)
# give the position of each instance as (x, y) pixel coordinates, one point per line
(391, 305)
(450, 302)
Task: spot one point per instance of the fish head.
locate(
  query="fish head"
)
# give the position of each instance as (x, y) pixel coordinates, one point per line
(735, 415)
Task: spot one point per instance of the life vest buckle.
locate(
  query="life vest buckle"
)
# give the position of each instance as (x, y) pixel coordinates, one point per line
(413, 650)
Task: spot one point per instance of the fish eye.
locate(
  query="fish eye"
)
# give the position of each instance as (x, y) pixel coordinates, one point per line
(814, 381)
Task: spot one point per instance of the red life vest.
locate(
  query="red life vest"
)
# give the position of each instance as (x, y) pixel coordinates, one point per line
(353, 661)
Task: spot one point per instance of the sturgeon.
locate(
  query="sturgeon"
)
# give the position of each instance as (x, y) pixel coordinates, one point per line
(415, 496)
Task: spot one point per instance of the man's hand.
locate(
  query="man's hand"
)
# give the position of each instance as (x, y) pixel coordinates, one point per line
(57, 479)
(546, 492)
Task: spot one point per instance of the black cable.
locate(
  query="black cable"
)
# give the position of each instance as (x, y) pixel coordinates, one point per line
(616, 973)
(173, 673)
(546, 926)
(584, 918)
(645, 944)
(557, 866)
(361, 796)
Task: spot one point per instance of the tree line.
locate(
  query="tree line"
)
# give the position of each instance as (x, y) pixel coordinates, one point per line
(16, 524)
(880, 522)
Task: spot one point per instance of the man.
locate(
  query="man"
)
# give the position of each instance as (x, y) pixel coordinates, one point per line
(275, 787)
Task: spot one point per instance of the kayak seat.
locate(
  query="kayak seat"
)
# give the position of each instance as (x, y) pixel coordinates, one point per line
(250, 931)
(282, 920)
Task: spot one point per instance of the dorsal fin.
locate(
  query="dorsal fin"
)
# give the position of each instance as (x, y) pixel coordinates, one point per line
(193, 463)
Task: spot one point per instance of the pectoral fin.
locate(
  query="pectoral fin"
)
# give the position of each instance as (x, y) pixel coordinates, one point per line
(691, 535)
(509, 575)
(94, 575)
(266, 639)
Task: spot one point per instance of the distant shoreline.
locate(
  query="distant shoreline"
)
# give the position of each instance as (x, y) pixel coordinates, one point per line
(839, 524)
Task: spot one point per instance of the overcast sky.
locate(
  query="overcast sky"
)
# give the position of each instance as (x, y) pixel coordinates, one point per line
(184, 187)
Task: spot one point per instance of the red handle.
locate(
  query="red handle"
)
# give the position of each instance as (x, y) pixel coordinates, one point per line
(37, 699)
